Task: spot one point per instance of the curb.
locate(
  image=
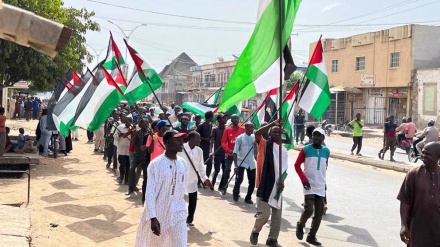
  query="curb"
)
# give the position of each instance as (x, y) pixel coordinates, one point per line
(366, 160)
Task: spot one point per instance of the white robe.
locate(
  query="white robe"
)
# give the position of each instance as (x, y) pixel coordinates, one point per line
(160, 202)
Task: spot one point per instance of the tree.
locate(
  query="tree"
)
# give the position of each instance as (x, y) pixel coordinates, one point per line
(293, 78)
(22, 63)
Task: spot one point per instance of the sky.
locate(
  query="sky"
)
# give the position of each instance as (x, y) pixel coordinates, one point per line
(211, 29)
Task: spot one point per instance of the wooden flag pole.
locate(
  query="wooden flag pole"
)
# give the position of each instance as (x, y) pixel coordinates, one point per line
(280, 90)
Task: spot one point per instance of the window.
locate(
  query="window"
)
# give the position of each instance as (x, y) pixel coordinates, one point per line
(206, 78)
(360, 63)
(334, 66)
(212, 77)
(395, 60)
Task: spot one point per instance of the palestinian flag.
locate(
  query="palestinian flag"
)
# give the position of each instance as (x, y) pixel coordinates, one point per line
(199, 108)
(64, 112)
(61, 89)
(143, 80)
(103, 98)
(113, 62)
(267, 110)
(213, 99)
(258, 68)
(288, 114)
(315, 94)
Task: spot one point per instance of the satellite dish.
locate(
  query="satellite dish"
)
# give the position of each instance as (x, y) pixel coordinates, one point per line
(221, 59)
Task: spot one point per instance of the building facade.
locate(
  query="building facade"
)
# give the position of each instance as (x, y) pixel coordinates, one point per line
(426, 97)
(376, 71)
(175, 77)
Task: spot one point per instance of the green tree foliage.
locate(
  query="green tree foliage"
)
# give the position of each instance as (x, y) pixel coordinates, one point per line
(22, 63)
(293, 78)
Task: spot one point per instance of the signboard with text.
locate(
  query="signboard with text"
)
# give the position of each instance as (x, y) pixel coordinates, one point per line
(367, 80)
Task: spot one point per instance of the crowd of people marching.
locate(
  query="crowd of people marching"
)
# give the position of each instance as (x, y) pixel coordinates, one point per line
(177, 153)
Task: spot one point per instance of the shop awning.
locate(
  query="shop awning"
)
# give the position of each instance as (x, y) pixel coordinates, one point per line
(352, 90)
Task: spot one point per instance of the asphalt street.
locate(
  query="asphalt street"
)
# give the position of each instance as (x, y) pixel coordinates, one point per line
(345, 144)
(362, 208)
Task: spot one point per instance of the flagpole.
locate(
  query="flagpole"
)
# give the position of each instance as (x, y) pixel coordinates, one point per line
(280, 90)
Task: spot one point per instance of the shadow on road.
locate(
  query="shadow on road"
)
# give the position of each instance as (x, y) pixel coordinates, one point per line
(358, 235)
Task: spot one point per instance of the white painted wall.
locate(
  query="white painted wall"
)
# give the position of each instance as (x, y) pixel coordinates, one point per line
(423, 77)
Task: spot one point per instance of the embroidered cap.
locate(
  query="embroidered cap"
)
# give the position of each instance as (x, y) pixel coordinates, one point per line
(320, 130)
(173, 134)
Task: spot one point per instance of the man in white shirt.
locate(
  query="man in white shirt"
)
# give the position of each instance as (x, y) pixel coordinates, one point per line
(123, 149)
(163, 217)
(194, 155)
(430, 134)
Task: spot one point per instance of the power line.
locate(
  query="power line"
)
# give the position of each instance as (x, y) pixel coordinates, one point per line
(370, 13)
(173, 15)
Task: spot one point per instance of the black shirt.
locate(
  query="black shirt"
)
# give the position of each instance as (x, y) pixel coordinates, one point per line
(205, 130)
(217, 134)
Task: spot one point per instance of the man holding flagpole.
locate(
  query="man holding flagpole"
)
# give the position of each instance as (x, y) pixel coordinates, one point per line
(269, 189)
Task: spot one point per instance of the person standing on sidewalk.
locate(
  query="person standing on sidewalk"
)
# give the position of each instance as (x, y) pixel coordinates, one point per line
(228, 142)
(165, 211)
(315, 158)
(28, 109)
(357, 124)
(268, 183)
(244, 154)
(193, 154)
(219, 152)
(299, 126)
(390, 138)
(419, 198)
(205, 130)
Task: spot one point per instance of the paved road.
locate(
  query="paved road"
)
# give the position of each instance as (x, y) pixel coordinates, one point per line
(344, 144)
(362, 210)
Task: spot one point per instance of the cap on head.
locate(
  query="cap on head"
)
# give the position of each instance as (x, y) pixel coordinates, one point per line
(431, 122)
(173, 134)
(320, 130)
(162, 123)
(221, 115)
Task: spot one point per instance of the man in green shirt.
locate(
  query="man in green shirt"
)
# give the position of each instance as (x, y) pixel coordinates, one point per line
(357, 124)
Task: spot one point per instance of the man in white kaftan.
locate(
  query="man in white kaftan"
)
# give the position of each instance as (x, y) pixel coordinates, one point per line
(163, 219)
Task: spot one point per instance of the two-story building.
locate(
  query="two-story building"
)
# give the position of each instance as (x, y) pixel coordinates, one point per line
(373, 73)
(175, 77)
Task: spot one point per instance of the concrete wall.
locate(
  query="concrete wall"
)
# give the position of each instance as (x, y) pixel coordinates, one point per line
(426, 47)
(376, 47)
(427, 84)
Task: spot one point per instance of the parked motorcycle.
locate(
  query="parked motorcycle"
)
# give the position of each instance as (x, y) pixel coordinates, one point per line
(326, 127)
(342, 126)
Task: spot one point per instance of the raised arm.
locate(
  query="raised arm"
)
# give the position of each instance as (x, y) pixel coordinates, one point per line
(263, 130)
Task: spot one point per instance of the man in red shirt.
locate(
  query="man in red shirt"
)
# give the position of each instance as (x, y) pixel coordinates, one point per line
(228, 143)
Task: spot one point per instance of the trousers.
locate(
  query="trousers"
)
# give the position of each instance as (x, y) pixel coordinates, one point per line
(135, 172)
(226, 172)
(124, 167)
(262, 218)
(219, 159)
(192, 204)
(357, 142)
(313, 204)
(239, 179)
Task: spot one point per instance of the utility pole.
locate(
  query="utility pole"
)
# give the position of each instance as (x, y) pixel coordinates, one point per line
(126, 37)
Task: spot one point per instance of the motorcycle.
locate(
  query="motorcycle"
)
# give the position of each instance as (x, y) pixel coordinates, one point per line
(405, 144)
(342, 126)
(413, 155)
(326, 127)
